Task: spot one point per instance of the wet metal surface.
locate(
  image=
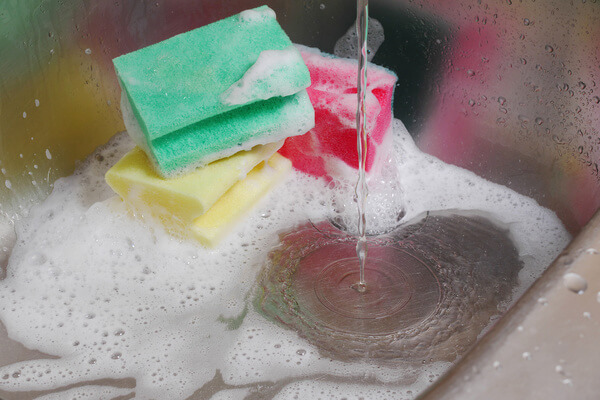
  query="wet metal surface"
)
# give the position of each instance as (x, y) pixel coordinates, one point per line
(435, 285)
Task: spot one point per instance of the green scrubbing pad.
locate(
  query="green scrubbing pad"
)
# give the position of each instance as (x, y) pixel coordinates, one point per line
(218, 89)
(225, 134)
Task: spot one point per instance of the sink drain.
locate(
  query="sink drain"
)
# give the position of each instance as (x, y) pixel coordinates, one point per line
(432, 286)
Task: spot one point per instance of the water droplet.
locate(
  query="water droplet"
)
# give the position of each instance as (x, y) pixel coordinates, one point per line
(523, 118)
(559, 369)
(24, 114)
(523, 61)
(37, 102)
(575, 282)
(496, 364)
(88, 51)
(567, 382)
(119, 332)
(470, 72)
(90, 316)
(587, 315)
(266, 214)
(596, 99)
(539, 121)
(526, 22)
(582, 85)
(549, 48)
(92, 361)
(557, 140)
(538, 67)
(501, 100)
(8, 184)
(48, 154)
(471, 102)
(543, 301)
(116, 356)
(526, 355)
(520, 328)
(322, 6)
(301, 352)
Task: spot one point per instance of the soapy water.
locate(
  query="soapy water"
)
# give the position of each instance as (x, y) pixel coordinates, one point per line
(109, 296)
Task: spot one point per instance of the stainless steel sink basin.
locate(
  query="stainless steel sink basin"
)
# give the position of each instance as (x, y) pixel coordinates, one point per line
(509, 90)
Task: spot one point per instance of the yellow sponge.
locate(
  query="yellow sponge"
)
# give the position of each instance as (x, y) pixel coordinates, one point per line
(179, 200)
(212, 226)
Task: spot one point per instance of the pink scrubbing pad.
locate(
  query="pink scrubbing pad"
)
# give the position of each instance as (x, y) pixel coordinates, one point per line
(333, 96)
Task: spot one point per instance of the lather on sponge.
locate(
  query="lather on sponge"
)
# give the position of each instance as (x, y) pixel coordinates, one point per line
(211, 92)
(329, 149)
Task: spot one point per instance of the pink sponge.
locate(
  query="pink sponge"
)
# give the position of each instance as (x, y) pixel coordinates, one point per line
(330, 147)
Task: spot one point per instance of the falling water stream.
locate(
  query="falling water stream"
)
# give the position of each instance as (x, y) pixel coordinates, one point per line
(362, 27)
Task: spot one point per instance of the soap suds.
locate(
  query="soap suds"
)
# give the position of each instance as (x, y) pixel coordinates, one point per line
(112, 295)
(275, 73)
(257, 15)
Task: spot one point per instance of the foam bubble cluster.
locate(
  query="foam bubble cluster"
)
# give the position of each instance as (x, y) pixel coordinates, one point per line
(275, 73)
(111, 295)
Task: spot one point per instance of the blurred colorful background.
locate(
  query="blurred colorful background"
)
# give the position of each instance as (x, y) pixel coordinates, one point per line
(507, 89)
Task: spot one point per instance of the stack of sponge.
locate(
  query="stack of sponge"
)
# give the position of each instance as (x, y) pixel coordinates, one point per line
(208, 109)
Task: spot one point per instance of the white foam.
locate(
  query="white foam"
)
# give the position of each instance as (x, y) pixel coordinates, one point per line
(92, 392)
(346, 101)
(112, 295)
(273, 74)
(257, 14)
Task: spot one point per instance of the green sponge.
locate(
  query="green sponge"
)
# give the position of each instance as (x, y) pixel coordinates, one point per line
(208, 93)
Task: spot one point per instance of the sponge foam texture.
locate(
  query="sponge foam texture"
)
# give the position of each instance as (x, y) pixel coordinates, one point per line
(331, 146)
